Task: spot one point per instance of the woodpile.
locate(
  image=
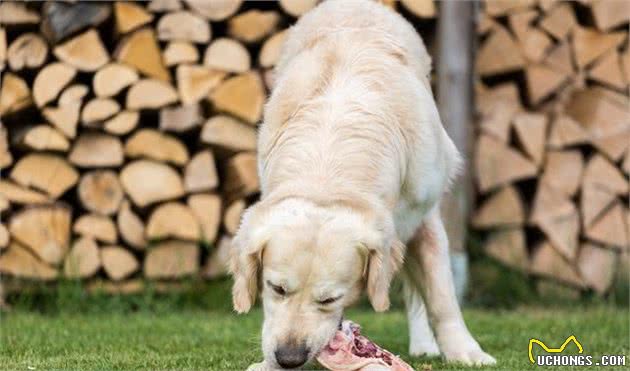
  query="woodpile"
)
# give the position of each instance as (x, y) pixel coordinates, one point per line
(128, 132)
(552, 154)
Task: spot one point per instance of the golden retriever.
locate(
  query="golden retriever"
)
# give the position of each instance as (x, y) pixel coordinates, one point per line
(353, 161)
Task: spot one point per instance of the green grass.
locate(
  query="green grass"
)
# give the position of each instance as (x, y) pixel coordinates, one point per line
(199, 332)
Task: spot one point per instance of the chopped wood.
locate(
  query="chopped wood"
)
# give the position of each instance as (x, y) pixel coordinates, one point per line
(130, 227)
(93, 149)
(503, 208)
(155, 145)
(65, 118)
(601, 173)
(520, 22)
(50, 81)
(4, 203)
(419, 8)
(6, 158)
(550, 203)
(181, 118)
(496, 119)
(589, 44)
(232, 217)
(147, 182)
(228, 55)
(485, 24)
(14, 94)
(600, 116)
(270, 78)
(531, 129)
(13, 13)
(610, 14)
(508, 247)
(500, 7)
(597, 266)
(559, 21)
(560, 60)
(296, 8)
(43, 229)
(183, 26)
(535, 44)
(563, 171)
(613, 146)
(141, 50)
(19, 262)
(594, 200)
(180, 52)
(242, 176)
(194, 82)
(3, 48)
(21, 195)
(566, 132)
(100, 192)
(73, 94)
(270, 52)
(171, 259)
(499, 54)
(253, 25)
(46, 172)
(200, 173)
(542, 81)
(242, 96)
(626, 163)
(99, 109)
(44, 138)
(496, 164)
(562, 233)
(98, 227)
(610, 228)
(118, 262)
(607, 70)
(4, 236)
(63, 19)
(159, 6)
(29, 50)
(133, 286)
(173, 220)
(123, 123)
(130, 16)
(229, 133)
(547, 262)
(207, 210)
(625, 64)
(219, 260)
(113, 78)
(215, 10)
(83, 260)
(150, 93)
(85, 52)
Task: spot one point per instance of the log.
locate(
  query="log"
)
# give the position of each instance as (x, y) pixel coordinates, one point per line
(611, 228)
(232, 217)
(43, 138)
(219, 260)
(600, 116)
(597, 266)
(21, 195)
(150, 94)
(4, 237)
(173, 220)
(19, 262)
(588, 44)
(130, 16)
(613, 146)
(181, 119)
(607, 70)
(602, 174)
(548, 263)
(97, 227)
(296, 8)
(141, 50)
(270, 52)
(560, 60)
(50, 81)
(155, 145)
(3, 48)
(98, 110)
(559, 21)
(147, 182)
(229, 133)
(131, 227)
(207, 210)
(227, 55)
(241, 175)
(566, 132)
(503, 208)
(100, 192)
(112, 78)
(14, 94)
(253, 25)
(46, 172)
(65, 118)
(215, 10)
(43, 229)
(531, 129)
(15, 13)
(183, 25)
(242, 95)
(563, 171)
(508, 247)
(593, 202)
(520, 23)
(610, 14)
(83, 260)
(194, 82)
(542, 82)
(94, 149)
(420, 8)
(180, 52)
(550, 204)
(499, 54)
(159, 6)
(118, 262)
(499, 7)
(496, 121)
(84, 52)
(200, 173)
(123, 123)
(62, 19)
(171, 259)
(535, 45)
(73, 94)
(29, 50)
(6, 158)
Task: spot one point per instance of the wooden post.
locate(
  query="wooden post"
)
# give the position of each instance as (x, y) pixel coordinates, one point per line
(454, 70)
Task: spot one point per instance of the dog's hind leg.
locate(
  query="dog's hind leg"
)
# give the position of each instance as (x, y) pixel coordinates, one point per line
(421, 339)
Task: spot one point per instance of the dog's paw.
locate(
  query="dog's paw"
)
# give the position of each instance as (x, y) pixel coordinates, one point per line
(424, 348)
(470, 356)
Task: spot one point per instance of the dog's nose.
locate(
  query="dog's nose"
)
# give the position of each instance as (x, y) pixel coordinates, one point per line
(291, 356)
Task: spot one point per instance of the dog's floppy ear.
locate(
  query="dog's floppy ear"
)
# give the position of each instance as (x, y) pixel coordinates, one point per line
(383, 263)
(245, 260)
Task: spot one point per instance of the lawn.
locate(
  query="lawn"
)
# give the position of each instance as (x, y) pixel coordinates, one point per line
(132, 335)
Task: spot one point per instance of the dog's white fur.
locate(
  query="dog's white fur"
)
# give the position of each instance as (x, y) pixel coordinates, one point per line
(353, 159)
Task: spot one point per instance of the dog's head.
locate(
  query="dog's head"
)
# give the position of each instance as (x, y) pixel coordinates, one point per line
(309, 263)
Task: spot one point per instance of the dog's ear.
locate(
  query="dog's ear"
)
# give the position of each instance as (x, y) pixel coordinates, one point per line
(245, 258)
(383, 263)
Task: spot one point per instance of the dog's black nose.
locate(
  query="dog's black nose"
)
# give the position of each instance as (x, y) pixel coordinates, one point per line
(291, 356)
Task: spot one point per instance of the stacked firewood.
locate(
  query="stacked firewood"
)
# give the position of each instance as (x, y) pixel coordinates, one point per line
(552, 158)
(129, 132)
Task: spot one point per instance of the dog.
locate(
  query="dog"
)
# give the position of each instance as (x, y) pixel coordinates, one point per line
(353, 162)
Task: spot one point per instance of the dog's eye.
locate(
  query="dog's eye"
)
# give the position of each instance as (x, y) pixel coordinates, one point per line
(277, 289)
(328, 301)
